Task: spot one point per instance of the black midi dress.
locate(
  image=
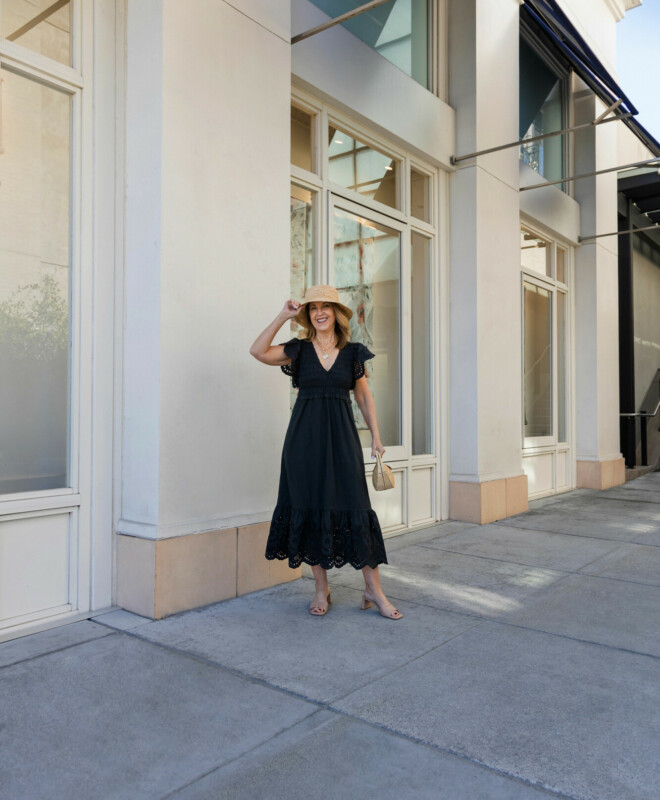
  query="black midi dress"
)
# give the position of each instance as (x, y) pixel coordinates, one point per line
(323, 513)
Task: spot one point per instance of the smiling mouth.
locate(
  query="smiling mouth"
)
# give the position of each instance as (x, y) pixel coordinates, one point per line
(321, 319)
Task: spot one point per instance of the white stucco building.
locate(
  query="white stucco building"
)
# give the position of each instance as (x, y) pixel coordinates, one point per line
(171, 172)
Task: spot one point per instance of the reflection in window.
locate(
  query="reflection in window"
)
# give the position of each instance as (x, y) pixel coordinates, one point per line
(361, 168)
(537, 335)
(367, 263)
(34, 286)
(302, 243)
(534, 252)
(561, 367)
(301, 139)
(561, 265)
(420, 201)
(398, 30)
(43, 26)
(541, 111)
(421, 343)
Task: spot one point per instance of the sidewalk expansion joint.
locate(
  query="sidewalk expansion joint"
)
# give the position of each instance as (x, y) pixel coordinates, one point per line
(535, 595)
(628, 500)
(455, 754)
(614, 647)
(407, 663)
(237, 757)
(57, 649)
(327, 706)
(503, 560)
(578, 535)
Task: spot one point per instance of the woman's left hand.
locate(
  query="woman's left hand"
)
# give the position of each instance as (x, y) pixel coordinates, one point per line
(376, 447)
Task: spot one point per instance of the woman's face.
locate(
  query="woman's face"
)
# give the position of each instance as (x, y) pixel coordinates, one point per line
(322, 317)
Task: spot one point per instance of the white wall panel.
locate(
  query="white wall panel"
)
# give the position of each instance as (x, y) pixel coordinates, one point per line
(538, 469)
(207, 265)
(227, 89)
(550, 207)
(274, 15)
(563, 470)
(143, 212)
(34, 565)
(421, 494)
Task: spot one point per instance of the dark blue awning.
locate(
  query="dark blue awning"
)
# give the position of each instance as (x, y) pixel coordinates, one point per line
(562, 33)
(556, 29)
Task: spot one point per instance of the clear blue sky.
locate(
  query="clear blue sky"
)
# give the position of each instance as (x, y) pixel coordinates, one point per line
(638, 61)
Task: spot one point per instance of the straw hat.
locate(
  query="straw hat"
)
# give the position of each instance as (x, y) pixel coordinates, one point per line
(321, 294)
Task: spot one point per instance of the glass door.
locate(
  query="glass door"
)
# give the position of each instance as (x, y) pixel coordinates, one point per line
(547, 459)
(366, 266)
(35, 227)
(538, 358)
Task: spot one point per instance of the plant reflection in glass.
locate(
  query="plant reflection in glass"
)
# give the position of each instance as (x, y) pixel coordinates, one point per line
(34, 337)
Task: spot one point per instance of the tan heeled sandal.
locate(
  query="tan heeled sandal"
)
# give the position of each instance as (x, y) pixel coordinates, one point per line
(368, 603)
(321, 611)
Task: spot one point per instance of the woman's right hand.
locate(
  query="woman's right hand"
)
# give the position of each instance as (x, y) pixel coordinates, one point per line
(290, 309)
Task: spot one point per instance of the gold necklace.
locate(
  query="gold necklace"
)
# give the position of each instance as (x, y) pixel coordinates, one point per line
(323, 349)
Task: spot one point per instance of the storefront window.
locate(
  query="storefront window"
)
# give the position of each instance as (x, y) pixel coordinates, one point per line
(561, 265)
(562, 399)
(367, 267)
(421, 344)
(537, 360)
(535, 253)
(398, 30)
(302, 242)
(302, 150)
(343, 232)
(34, 285)
(362, 169)
(420, 195)
(541, 111)
(545, 268)
(43, 26)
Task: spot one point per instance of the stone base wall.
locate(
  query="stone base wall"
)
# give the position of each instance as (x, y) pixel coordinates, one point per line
(486, 502)
(601, 474)
(156, 578)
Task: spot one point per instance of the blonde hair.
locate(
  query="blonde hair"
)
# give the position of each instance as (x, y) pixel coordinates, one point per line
(342, 327)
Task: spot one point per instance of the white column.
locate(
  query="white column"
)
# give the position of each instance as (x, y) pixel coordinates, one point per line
(207, 268)
(486, 479)
(599, 461)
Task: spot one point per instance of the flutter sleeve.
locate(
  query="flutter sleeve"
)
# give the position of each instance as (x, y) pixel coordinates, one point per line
(360, 355)
(292, 351)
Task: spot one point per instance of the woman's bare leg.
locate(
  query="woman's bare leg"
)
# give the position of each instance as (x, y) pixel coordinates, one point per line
(374, 593)
(319, 604)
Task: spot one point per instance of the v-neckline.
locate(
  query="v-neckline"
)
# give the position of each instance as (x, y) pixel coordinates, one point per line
(320, 363)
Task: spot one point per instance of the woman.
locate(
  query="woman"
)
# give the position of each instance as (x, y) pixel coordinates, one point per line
(323, 515)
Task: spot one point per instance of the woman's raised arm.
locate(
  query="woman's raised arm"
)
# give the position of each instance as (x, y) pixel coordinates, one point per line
(268, 353)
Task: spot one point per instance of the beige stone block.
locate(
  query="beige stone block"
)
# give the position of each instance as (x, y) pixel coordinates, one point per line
(517, 495)
(589, 475)
(195, 570)
(614, 473)
(493, 501)
(465, 501)
(136, 574)
(619, 471)
(254, 571)
(489, 501)
(601, 474)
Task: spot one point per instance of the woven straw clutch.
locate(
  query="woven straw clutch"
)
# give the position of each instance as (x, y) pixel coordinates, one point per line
(382, 476)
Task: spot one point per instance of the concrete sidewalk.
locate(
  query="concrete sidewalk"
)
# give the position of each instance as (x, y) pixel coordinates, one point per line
(527, 665)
